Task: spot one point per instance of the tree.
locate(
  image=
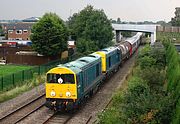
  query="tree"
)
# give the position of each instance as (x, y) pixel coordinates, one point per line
(93, 26)
(118, 21)
(113, 21)
(1, 31)
(126, 33)
(162, 23)
(176, 20)
(49, 35)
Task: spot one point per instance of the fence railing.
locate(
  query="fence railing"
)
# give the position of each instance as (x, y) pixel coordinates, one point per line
(16, 79)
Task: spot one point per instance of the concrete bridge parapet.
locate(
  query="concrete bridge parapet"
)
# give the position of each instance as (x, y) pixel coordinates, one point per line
(138, 28)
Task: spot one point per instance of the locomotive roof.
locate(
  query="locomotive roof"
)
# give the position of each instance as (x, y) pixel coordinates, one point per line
(81, 63)
(108, 50)
(86, 61)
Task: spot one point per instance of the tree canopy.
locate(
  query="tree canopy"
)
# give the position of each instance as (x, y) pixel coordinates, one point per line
(1, 31)
(176, 20)
(49, 35)
(92, 28)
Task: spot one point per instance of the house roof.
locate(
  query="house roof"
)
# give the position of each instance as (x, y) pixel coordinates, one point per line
(18, 26)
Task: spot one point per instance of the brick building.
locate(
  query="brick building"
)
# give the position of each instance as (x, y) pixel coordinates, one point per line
(18, 31)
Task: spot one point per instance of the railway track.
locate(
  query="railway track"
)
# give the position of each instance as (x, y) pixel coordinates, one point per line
(23, 111)
(58, 118)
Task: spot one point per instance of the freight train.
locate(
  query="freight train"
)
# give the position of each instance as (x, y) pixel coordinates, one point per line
(69, 85)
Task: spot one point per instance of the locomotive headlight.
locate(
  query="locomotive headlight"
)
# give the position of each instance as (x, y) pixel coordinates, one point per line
(52, 93)
(68, 94)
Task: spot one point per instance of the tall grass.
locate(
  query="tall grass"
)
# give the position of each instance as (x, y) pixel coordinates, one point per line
(28, 84)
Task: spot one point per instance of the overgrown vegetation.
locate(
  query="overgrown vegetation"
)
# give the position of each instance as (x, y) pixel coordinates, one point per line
(172, 36)
(28, 84)
(173, 78)
(151, 96)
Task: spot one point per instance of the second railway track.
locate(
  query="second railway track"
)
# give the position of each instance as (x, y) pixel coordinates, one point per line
(22, 112)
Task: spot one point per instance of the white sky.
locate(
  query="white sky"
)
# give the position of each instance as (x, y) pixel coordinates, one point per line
(127, 10)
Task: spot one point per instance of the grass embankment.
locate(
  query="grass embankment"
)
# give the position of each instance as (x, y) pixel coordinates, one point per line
(29, 84)
(9, 69)
(146, 99)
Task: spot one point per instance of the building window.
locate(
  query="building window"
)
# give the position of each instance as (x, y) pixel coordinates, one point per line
(25, 31)
(10, 31)
(19, 32)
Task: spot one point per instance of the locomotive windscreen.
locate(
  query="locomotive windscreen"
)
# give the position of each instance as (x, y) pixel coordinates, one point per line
(60, 78)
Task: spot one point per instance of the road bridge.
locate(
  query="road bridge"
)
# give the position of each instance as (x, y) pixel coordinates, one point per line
(136, 28)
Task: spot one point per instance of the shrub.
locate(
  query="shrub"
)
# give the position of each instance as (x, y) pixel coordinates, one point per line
(146, 62)
(110, 116)
(154, 78)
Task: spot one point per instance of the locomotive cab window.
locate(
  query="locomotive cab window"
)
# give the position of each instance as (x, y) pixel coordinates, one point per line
(60, 78)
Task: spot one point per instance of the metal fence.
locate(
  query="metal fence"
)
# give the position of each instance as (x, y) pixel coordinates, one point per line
(16, 79)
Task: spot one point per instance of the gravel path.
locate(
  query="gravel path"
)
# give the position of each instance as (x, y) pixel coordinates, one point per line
(18, 101)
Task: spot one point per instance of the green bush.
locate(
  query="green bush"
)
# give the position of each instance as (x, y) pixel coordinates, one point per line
(173, 79)
(176, 118)
(146, 62)
(145, 100)
(139, 105)
(109, 116)
(152, 57)
(154, 78)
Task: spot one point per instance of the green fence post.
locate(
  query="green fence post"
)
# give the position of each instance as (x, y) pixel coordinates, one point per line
(2, 82)
(23, 75)
(45, 69)
(13, 79)
(31, 73)
(39, 70)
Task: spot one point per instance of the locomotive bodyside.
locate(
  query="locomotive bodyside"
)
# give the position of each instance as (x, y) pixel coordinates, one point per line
(110, 57)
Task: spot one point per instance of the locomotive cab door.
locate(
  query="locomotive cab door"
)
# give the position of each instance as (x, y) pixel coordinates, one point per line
(80, 86)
